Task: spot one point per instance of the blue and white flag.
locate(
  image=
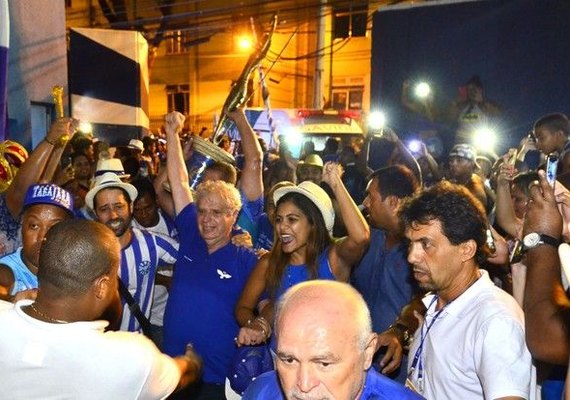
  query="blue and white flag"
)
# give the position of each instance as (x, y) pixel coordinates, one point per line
(4, 43)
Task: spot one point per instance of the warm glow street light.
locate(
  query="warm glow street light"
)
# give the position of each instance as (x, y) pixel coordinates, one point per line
(245, 43)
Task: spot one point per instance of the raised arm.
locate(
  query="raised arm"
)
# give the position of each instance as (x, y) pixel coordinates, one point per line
(175, 166)
(504, 211)
(348, 250)
(546, 307)
(251, 180)
(31, 171)
(405, 156)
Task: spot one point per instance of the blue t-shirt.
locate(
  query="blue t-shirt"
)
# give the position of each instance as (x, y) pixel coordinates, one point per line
(264, 233)
(23, 278)
(376, 387)
(249, 214)
(384, 279)
(204, 291)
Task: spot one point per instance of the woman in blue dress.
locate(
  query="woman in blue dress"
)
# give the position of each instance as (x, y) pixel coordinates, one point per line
(303, 249)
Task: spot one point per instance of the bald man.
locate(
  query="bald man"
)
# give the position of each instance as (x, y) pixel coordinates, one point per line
(55, 346)
(325, 346)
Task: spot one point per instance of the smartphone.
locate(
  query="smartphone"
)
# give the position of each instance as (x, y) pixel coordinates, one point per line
(551, 168)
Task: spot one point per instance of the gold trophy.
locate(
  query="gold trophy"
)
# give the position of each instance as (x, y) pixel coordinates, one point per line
(57, 94)
(238, 93)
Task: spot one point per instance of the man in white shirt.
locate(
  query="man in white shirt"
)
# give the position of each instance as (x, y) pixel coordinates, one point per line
(471, 344)
(55, 347)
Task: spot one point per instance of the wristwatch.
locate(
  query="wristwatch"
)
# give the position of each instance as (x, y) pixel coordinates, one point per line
(534, 239)
(403, 333)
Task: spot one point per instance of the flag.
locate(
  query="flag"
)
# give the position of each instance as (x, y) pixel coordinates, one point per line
(4, 43)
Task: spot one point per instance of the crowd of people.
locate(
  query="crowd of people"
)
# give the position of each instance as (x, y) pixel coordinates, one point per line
(422, 279)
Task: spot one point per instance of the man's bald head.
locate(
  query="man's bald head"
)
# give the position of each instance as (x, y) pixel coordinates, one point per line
(325, 342)
(321, 298)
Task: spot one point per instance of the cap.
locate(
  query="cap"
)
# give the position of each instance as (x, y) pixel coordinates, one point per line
(247, 364)
(312, 159)
(113, 165)
(316, 194)
(109, 180)
(48, 193)
(465, 151)
(136, 145)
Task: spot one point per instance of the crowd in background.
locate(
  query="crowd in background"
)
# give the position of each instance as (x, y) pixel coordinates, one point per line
(209, 264)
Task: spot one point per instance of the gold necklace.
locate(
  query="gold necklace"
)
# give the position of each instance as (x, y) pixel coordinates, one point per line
(47, 317)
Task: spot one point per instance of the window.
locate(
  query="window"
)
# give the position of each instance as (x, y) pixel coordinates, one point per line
(350, 22)
(347, 98)
(176, 42)
(178, 98)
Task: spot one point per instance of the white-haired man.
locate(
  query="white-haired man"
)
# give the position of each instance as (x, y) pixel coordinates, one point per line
(325, 346)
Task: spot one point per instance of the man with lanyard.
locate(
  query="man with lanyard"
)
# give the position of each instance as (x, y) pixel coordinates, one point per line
(471, 344)
(141, 251)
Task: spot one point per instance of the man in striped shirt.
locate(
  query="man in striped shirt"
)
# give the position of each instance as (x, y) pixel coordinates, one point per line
(141, 251)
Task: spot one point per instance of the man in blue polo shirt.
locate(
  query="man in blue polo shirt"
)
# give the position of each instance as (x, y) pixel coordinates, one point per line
(383, 276)
(325, 346)
(210, 273)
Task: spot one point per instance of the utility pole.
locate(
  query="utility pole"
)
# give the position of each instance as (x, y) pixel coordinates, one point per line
(320, 61)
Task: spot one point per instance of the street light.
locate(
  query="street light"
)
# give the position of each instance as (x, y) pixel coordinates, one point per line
(376, 120)
(245, 43)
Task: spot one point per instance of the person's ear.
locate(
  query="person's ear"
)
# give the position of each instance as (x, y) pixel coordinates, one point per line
(468, 250)
(369, 350)
(102, 286)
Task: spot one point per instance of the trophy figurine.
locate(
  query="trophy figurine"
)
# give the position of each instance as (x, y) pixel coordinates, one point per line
(238, 93)
(57, 94)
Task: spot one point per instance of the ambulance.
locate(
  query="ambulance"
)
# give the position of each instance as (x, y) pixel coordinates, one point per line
(297, 126)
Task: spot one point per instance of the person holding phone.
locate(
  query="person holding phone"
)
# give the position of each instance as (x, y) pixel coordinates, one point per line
(472, 110)
(552, 132)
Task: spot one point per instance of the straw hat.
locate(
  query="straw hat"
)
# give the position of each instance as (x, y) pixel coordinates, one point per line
(316, 194)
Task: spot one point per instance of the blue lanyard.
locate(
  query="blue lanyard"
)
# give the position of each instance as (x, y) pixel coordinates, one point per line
(417, 362)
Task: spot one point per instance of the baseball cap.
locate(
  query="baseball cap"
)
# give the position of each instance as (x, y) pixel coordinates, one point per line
(48, 193)
(109, 180)
(465, 151)
(316, 194)
(247, 364)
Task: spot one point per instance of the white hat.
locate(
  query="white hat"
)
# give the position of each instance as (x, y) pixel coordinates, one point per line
(109, 180)
(136, 145)
(316, 194)
(113, 165)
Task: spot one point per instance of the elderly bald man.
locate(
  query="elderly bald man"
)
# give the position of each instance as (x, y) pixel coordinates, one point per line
(325, 346)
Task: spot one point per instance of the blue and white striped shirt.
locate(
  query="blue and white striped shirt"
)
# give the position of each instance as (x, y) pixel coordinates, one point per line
(139, 261)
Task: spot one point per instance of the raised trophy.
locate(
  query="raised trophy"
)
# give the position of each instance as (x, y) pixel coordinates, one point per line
(205, 152)
(238, 93)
